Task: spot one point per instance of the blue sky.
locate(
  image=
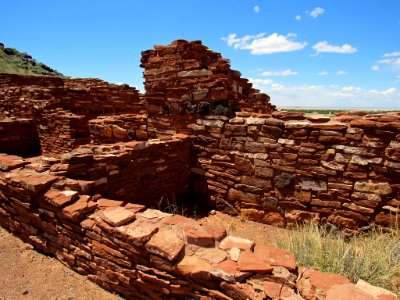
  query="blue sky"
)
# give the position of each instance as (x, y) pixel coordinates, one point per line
(333, 53)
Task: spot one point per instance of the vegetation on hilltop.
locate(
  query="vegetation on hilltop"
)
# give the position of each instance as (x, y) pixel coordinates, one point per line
(14, 62)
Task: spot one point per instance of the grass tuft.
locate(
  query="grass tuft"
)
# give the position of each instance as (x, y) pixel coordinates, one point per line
(374, 258)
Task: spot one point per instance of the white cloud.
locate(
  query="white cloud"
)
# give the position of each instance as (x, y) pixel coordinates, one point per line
(325, 47)
(286, 72)
(327, 96)
(260, 44)
(323, 73)
(341, 72)
(375, 68)
(317, 12)
(390, 61)
(392, 54)
(256, 9)
(297, 18)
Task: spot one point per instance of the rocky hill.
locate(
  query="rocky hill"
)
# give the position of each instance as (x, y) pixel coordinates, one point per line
(14, 62)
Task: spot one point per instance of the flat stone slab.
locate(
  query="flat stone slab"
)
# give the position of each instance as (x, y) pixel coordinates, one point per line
(10, 162)
(166, 243)
(250, 262)
(225, 270)
(236, 242)
(80, 207)
(104, 203)
(212, 255)
(117, 216)
(153, 214)
(275, 256)
(194, 267)
(139, 233)
(34, 182)
(60, 198)
(199, 237)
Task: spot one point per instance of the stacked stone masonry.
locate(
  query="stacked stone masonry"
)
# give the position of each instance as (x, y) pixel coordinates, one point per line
(185, 80)
(144, 253)
(199, 130)
(284, 167)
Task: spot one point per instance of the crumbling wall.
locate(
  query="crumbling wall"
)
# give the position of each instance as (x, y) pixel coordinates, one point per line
(19, 136)
(184, 80)
(147, 254)
(285, 167)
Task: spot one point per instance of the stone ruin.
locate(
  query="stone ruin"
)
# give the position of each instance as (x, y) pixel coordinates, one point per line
(85, 163)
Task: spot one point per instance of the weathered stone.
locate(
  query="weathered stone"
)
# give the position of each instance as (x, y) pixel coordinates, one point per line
(225, 270)
(166, 243)
(60, 198)
(138, 233)
(117, 216)
(379, 188)
(199, 237)
(236, 195)
(235, 242)
(275, 256)
(194, 267)
(250, 262)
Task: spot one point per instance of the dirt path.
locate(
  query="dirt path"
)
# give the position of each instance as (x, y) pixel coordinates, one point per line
(27, 274)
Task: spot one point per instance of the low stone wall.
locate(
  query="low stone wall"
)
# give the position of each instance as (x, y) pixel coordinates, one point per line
(119, 128)
(147, 254)
(19, 136)
(152, 172)
(285, 167)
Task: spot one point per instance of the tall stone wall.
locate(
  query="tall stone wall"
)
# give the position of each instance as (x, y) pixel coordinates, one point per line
(184, 80)
(285, 167)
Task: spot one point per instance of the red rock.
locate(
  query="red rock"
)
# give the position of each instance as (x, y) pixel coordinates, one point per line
(117, 216)
(135, 207)
(275, 256)
(315, 284)
(212, 255)
(80, 207)
(139, 233)
(9, 162)
(104, 203)
(225, 270)
(60, 198)
(199, 237)
(180, 220)
(347, 291)
(236, 242)
(272, 289)
(194, 267)
(377, 292)
(249, 261)
(34, 182)
(166, 243)
(218, 232)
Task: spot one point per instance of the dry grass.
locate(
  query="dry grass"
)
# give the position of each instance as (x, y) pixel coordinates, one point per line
(374, 258)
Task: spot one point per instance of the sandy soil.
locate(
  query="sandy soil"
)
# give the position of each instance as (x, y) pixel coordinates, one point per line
(27, 274)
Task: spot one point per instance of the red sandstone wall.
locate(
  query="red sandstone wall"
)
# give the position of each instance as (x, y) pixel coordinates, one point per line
(286, 168)
(19, 136)
(185, 79)
(147, 254)
(150, 173)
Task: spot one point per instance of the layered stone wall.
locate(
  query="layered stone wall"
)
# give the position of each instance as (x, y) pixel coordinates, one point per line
(184, 80)
(29, 96)
(151, 173)
(147, 254)
(285, 167)
(19, 136)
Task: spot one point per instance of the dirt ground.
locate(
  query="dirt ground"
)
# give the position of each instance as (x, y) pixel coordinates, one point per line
(27, 274)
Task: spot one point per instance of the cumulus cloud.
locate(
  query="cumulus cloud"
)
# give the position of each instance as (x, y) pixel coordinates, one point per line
(327, 95)
(261, 44)
(317, 12)
(375, 68)
(341, 72)
(325, 47)
(323, 73)
(286, 72)
(392, 54)
(256, 9)
(297, 18)
(391, 60)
